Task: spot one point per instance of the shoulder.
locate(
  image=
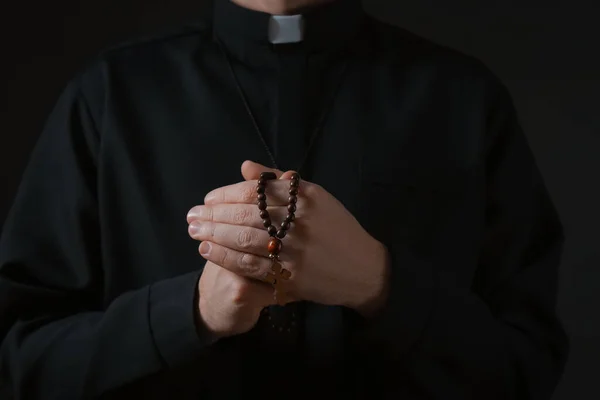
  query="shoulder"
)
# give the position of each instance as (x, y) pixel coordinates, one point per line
(139, 61)
(410, 54)
(168, 43)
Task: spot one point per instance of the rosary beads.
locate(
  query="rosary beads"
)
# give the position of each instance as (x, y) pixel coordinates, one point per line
(278, 274)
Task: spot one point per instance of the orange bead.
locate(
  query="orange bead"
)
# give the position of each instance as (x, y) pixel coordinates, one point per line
(274, 246)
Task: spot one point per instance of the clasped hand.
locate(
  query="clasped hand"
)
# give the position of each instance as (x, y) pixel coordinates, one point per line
(332, 259)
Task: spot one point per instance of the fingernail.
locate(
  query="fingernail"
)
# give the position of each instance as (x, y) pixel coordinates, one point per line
(196, 213)
(205, 248)
(194, 228)
(209, 197)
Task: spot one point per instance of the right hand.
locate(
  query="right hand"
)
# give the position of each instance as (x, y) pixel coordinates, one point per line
(230, 304)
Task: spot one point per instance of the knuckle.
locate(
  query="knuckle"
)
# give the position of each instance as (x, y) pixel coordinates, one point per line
(248, 194)
(241, 215)
(250, 263)
(246, 238)
(208, 230)
(239, 291)
(223, 257)
(210, 213)
(312, 191)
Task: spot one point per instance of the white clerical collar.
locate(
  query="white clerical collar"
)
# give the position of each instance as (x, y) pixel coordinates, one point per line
(286, 29)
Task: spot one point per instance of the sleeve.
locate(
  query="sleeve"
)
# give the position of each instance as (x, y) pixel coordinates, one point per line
(499, 337)
(58, 337)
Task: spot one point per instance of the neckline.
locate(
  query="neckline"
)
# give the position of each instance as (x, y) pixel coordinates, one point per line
(328, 27)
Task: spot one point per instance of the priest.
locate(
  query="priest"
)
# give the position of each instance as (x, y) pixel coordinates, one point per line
(389, 235)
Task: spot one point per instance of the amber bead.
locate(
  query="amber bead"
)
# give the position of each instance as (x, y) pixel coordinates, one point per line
(281, 233)
(293, 191)
(285, 225)
(264, 214)
(292, 208)
(274, 246)
(268, 176)
(260, 189)
(262, 205)
(292, 199)
(272, 230)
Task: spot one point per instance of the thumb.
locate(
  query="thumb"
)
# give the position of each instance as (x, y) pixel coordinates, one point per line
(252, 171)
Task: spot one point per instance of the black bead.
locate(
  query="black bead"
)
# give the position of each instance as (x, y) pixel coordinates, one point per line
(262, 205)
(272, 230)
(268, 176)
(290, 218)
(285, 225)
(281, 233)
(295, 176)
(262, 196)
(292, 199)
(293, 191)
(264, 214)
(267, 222)
(292, 208)
(260, 189)
(294, 183)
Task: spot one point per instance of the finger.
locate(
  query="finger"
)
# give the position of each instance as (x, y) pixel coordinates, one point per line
(241, 238)
(251, 170)
(235, 214)
(244, 290)
(243, 264)
(277, 191)
(287, 175)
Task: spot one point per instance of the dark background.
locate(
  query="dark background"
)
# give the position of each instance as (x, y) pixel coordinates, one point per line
(546, 51)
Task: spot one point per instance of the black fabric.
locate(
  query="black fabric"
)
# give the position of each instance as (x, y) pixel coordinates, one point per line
(423, 146)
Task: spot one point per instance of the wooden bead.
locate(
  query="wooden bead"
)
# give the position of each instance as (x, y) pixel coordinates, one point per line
(285, 225)
(266, 222)
(294, 183)
(264, 214)
(290, 218)
(292, 208)
(292, 199)
(295, 176)
(281, 233)
(271, 230)
(260, 189)
(268, 176)
(262, 182)
(274, 246)
(262, 196)
(293, 191)
(262, 205)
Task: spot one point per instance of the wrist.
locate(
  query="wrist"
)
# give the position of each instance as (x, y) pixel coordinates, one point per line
(374, 294)
(203, 327)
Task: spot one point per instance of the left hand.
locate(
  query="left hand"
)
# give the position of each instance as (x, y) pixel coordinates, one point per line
(333, 260)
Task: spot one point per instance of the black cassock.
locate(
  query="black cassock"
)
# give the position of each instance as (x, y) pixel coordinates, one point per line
(422, 145)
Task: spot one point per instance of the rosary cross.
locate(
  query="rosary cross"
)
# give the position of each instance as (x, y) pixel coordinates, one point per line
(276, 278)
